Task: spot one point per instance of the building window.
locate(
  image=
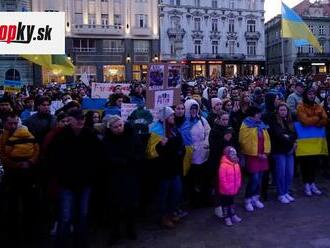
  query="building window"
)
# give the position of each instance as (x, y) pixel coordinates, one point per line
(300, 49)
(322, 44)
(89, 69)
(84, 45)
(105, 19)
(175, 22)
(321, 30)
(117, 20)
(141, 46)
(251, 48)
(142, 21)
(173, 50)
(113, 46)
(197, 3)
(231, 4)
(311, 28)
(251, 25)
(78, 18)
(231, 25)
(197, 24)
(91, 19)
(172, 2)
(214, 25)
(104, 1)
(198, 47)
(214, 4)
(231, 47)
(114, 73)
(310, 49)
(178, 3)
(215, 47)
(252, 4)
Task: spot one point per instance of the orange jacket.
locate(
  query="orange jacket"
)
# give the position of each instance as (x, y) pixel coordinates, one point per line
(312, 115)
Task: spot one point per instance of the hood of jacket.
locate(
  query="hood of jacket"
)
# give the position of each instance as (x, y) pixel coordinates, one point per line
(188, 105)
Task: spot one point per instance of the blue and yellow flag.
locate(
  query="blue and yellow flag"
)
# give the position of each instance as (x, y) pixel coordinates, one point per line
(295, 28)
(58, 64)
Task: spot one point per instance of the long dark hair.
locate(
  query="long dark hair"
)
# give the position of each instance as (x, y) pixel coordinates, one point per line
(288, 120)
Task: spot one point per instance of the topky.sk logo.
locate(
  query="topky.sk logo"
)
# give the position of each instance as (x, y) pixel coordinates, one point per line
(24, 33)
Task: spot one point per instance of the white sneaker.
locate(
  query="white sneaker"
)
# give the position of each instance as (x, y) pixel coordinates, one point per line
(256, 202)
(315, 190)
(228, 221)
(308, 191)
(289, 197)
(218, 212)
(248, 205)
(236, 219)
(283, 199)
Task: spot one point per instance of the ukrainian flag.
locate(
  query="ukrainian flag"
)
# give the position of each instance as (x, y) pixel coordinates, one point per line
(157, 132)
(295, 28)
(58, 64)
(311, 140)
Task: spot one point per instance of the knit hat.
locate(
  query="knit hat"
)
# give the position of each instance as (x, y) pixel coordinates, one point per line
(215, 101)
(166, 112)
(112, 120)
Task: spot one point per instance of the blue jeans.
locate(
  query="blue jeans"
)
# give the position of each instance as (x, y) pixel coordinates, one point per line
(284, 172)
(253, 186)
(169, 195)
(73, 210)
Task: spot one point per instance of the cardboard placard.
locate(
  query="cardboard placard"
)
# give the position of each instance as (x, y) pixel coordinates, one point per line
(104, 90)
(127, 109)
(12, 86)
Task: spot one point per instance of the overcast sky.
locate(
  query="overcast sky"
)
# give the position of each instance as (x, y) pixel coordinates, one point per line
(273, 7)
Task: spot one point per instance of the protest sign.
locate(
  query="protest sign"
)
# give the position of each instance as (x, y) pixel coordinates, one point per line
(174, 76)
(84, 79)
(127, 109)
(12, 86)
(156, 76)
(104, 90)
(163, 98)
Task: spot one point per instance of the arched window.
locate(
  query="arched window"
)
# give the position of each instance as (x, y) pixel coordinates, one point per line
(13, 74)
(251, 25)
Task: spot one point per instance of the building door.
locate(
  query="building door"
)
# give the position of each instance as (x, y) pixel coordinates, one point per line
(12, 74)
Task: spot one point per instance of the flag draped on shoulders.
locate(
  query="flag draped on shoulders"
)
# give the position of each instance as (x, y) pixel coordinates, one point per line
(295, 28)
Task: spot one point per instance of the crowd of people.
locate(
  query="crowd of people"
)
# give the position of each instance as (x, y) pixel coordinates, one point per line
(68, 170)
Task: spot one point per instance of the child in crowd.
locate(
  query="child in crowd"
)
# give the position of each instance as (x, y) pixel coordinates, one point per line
(229, 183)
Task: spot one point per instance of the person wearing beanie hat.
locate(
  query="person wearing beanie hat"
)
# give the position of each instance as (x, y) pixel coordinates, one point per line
(123, 155)
(312, 115)
(216, 104)
(167, 147)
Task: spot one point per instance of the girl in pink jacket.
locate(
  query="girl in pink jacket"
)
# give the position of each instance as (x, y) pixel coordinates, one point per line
(229, 183)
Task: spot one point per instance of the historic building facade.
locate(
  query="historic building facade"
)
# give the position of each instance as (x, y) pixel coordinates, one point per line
(110, 40)
(304, 59)
(212, 37)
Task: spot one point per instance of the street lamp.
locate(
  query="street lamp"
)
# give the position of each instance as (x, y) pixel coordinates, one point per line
(128, 58)
(300, 69)
(156, 58)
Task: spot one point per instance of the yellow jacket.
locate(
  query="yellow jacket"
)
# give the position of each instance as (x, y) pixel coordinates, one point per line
(20, 146)
(248, 139)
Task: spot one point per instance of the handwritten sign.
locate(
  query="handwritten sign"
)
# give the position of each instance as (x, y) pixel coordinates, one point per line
(127, 109)
(104, 90)
(12, 86)
(164, 98)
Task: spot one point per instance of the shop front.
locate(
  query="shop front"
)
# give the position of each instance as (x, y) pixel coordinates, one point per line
(215, 69)
(52, 76)
(303, 68)
(114, 73)
(198, 69)
(140, 72)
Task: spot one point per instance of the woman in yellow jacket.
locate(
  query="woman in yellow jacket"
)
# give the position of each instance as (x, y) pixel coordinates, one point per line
(255, 145)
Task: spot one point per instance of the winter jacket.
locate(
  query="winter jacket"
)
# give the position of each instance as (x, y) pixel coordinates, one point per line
(39, 125)
(18, 147)
(312, 115)
(248, 139)
(229, 177)
(200, 135)
(293, 100)
(282, 138)
(75, 159)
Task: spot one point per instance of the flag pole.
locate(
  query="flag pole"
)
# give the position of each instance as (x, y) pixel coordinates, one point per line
(282, 43)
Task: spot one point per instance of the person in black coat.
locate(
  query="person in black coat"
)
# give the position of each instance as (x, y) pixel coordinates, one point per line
(283, 142)
(123, 157)
(74, 157)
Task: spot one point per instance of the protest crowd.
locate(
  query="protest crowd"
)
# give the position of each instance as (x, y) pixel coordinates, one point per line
(71, 165)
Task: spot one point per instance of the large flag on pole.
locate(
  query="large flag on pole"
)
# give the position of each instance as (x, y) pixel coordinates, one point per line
(295, 28)
(58, 64)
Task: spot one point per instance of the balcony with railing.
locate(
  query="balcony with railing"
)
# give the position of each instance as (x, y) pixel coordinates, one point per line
(255, 57)
(176, 32)
(223, 56)
(138, 31)
(313, 55)
(84, 49)
(141, 50)
(113, 49)
(98, 29)
(252, 35)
